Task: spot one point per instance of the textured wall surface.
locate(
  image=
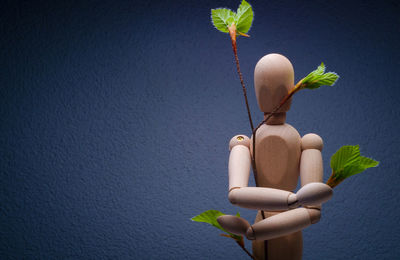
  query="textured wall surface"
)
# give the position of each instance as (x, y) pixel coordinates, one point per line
(115, 118)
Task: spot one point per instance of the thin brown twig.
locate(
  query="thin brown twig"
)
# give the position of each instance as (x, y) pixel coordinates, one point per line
(240, 243)
(232, 33)
(247, 252)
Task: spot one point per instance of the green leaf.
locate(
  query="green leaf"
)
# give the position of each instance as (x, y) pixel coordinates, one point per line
(320, 70)
(210, 217)
(318, 78)
(347, 161)
(222, 18)
(368, 162)
(347, 154)
(244, 17)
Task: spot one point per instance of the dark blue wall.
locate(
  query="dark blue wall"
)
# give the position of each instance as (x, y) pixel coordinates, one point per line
(115, 119)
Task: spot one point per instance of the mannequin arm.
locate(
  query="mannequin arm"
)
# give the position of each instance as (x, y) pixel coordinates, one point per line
(313, 191)
(251, 197)
(311, 195)
(239, 162)
(283, 224)
(311, 169)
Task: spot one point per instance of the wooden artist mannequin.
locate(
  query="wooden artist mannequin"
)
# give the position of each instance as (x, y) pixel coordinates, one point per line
(281, 157)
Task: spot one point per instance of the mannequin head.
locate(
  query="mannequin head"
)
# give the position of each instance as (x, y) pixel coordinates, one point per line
(273, 79)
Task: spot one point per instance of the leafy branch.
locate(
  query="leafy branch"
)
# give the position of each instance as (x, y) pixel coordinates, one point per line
(346, 162)
(239, 23)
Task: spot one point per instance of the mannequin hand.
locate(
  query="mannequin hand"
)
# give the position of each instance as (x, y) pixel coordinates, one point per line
(311, 194)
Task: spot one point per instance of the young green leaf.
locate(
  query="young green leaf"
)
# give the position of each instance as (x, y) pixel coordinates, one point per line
(318, 78)
(347, 161)
(368, 162)
(244, 17)
(222, 18)
(346, 155)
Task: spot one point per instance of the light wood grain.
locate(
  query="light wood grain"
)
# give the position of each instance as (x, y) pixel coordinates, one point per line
(239, 166)
(273, 78)
(277, 156)
(281, 157)
(281, 224)
(288, 247)
(260, 198)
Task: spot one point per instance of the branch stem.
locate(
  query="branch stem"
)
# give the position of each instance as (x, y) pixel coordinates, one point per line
(333, 180)
(247, 252)
(232, 33)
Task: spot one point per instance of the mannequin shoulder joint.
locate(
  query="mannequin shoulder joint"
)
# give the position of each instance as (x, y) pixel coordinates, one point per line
(311, 141)
(239, 140)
